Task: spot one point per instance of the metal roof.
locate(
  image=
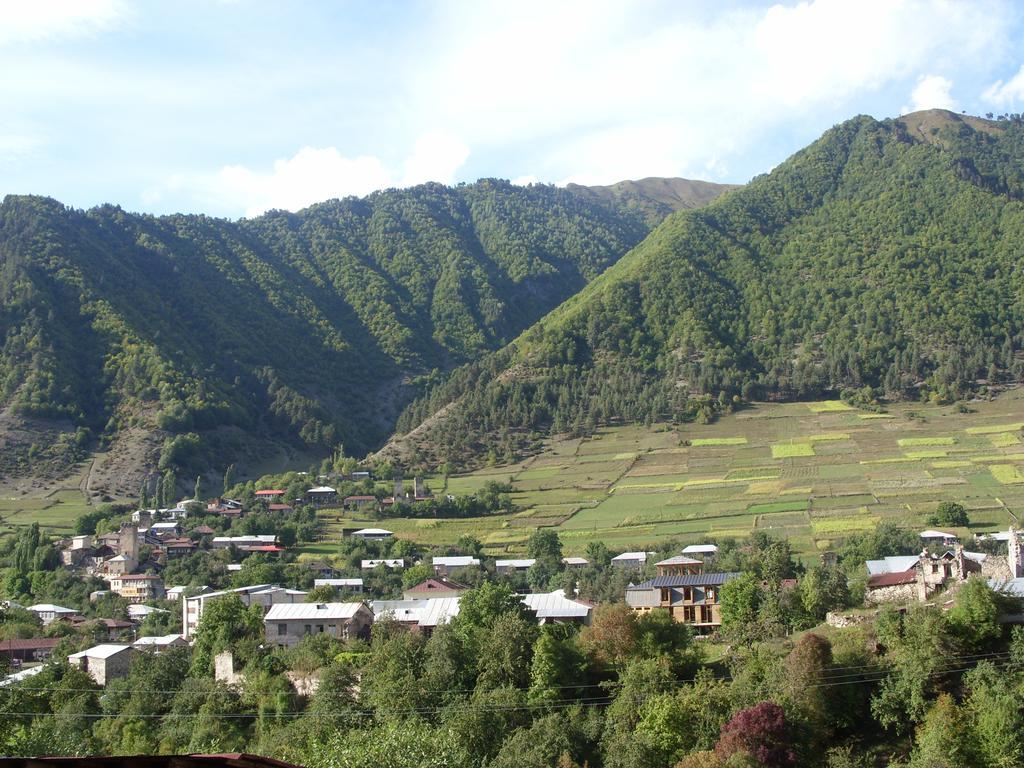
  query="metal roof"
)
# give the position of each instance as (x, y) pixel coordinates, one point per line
(554, 605)
(688, 580)
(680, 560)
(892, 564)
(456, 562)
(1012, 587)
(933, 534)
(50, 608)
(104, 651)
(389, 563)
(641, 556)
(337, 582)
(317, 611)
(372, 532)
(522, 563)
(700, 549)
(322, 489)
(425, 613)
(575, 561)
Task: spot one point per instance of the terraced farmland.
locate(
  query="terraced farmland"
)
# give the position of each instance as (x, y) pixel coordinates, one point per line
(814, 472)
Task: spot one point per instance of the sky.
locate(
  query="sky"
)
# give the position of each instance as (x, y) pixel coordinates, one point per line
(234, 107)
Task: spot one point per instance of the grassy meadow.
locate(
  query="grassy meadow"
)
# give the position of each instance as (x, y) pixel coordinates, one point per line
(813, 472)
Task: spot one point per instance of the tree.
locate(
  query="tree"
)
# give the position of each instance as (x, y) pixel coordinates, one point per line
(740, 599)
(974, 617)
(945, 739)
(544, 544)
(824, 589)
(612, 635)
(761, 733)
(557, 665)
(480, 607)
(197, 493)
(950, 513)
(226, 624)
(229, 478)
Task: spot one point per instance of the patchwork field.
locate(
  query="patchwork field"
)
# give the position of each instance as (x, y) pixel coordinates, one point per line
(813, 472)
(55, 512)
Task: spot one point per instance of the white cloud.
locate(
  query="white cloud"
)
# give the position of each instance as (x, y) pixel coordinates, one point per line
(524, 181)
(931, 92)
(14, 147)
(312, 175)
(606, 90)
(38, 20)
(1006, 94)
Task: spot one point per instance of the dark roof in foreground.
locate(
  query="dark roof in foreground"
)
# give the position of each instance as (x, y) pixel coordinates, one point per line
(228, 760)
(689, 580)
(891, 579)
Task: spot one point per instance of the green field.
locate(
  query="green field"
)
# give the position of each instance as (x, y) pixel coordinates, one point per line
(814, 472)
(55, 512)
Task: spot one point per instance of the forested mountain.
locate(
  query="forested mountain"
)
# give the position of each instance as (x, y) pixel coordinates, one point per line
(295, 328)
(886, 255)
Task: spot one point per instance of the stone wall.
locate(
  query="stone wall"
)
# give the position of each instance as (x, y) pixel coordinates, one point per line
(898, 593)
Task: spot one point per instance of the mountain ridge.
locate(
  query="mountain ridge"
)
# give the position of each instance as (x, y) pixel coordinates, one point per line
(303, 328)
(879, 256)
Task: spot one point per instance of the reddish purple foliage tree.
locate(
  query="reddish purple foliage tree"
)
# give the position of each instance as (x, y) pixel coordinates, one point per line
(760, 731)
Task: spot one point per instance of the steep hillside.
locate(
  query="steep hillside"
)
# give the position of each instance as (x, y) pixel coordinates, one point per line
(288, 330)
(656, 197)
(885, 255)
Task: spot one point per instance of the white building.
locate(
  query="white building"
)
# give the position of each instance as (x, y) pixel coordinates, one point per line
(372, 534)
(347, 585)
(48, 612)
(264, 595)
(244, 542)
(704, 550)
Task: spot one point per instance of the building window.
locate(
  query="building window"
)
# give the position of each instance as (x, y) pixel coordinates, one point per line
(307, 629)
(705, 614)
(688, 594)
(710, 595)
(320, 628)
(688, 614)
(665, 595)
(282, 629)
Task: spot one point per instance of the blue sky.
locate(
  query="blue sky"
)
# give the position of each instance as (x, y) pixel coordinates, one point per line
(231, 108)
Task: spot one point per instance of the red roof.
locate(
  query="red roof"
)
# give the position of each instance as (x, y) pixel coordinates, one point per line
(892, 579)
(438, 585)
(204, 529)
(269, 493)
(264, 548)
(279, 507)
(28, 643)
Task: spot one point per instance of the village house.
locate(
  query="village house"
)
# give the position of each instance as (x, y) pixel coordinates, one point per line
(169, 529)
(159, 644)
(394, 563)
(138, 612)
(372, 534)
(18, 649)
(176, 593)
(345, 585)
(556, 608)
(322, 496)
(250, 543)
(107, 629)
(48, 612)
(269, 494)
(514, 566)
(575, 562)
(179, 547)
(264, 595)
(104, 663)
(138, 587)
(430, 588)
(933, 538)
(118, 566)
(445, 565)
(910, 578)
(422, 616)
(630, 560)
(286, 625)
(690, 595)
(284, 509)
(358, 501)
(701, 551)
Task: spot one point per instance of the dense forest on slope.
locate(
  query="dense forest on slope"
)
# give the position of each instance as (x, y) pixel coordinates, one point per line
(300, 327)
(885, 255)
